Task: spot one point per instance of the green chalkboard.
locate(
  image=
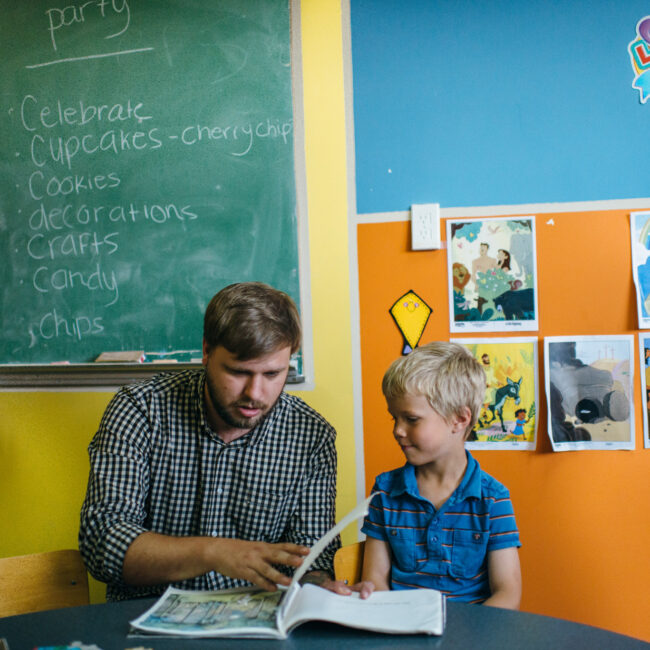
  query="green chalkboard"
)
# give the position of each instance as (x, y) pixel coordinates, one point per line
(147, 160)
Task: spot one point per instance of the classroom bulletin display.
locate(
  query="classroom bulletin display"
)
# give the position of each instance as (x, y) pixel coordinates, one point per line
(148, 157)
(456, 103)
(584, 288)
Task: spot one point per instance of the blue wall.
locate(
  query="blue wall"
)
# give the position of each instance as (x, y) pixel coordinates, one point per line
(496, 102)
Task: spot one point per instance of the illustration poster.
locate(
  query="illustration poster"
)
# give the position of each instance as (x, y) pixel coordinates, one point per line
(640, 233)
(589, 391)
(508, 417)
(492, 271)
(644, 348)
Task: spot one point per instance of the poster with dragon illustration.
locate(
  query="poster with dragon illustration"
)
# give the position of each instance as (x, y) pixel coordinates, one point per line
(508, 416)
(640, 234)
(644, 349)
(589, 394)
(492, 274)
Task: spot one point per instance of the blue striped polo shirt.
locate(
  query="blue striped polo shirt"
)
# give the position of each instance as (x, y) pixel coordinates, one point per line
(443, 549)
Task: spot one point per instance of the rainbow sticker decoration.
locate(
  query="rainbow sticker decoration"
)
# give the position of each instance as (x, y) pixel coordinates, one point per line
(639, 50)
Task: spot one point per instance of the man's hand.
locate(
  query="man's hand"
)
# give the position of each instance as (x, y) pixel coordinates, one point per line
(253, 561)
(158, 559)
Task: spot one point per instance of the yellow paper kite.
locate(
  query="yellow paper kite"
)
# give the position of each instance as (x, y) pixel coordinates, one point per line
(411, 314)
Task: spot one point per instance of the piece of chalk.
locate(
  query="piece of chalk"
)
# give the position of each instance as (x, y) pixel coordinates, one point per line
(121, 356)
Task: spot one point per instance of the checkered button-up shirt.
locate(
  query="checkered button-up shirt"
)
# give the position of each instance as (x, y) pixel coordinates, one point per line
(155, 465)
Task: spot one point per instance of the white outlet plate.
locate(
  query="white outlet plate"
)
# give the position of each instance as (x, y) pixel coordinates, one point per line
(425, 226)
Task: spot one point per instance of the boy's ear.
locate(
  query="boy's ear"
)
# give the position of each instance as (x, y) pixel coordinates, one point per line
(462, 420)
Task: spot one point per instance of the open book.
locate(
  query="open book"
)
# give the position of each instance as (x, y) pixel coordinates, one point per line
(253, 613)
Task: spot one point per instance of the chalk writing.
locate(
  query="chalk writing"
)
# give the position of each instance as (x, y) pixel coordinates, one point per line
(33, 114)
(88, 57)
(246, 133)
(79, 13)
(63, 149)
(140, 184)
(51, 326)
(40, 186)
(45, 280)
(40, 247)
(70, 215)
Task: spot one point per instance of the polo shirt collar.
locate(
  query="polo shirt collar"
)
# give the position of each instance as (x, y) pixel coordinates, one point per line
(470, 486)
(404, 481)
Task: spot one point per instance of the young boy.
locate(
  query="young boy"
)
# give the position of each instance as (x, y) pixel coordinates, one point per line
(440, 521)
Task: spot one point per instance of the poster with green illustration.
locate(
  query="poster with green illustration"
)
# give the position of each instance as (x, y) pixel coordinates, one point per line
(508, 415)
(492, 275)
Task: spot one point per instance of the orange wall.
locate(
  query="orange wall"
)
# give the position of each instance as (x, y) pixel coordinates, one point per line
(583, 515)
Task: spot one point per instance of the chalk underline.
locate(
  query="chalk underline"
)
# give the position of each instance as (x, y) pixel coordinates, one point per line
(89, 56)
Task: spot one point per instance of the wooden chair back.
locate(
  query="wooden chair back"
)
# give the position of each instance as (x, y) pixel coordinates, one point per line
(348, 562)
(31, 583)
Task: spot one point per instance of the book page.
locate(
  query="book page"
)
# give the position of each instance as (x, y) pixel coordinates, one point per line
(414, 611)
(237, 612)
(359, 511)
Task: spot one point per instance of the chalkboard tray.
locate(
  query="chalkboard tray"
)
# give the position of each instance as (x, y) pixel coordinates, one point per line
(90, 375)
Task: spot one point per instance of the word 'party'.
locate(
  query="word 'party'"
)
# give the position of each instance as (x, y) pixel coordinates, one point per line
(87, 11)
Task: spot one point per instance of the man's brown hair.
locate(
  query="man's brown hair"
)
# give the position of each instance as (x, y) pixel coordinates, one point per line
(252, 319)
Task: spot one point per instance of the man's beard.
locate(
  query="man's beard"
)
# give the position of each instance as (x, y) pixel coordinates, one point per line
(232, 419)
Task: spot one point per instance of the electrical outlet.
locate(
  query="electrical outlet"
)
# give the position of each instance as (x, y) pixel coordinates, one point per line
(425, 227)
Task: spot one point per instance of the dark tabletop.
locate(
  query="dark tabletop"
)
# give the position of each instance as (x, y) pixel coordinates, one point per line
(468, 626)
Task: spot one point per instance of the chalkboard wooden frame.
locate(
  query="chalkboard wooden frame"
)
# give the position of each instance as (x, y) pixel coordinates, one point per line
(21, 377)
(54, 376)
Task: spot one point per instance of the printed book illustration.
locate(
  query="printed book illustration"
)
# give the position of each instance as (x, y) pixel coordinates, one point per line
(253, 613)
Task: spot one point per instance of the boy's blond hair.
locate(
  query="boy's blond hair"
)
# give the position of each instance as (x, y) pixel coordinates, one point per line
(446, 374)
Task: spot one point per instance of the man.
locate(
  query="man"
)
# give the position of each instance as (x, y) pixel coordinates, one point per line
(491, 383)
(213, 478)
(482, 264)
